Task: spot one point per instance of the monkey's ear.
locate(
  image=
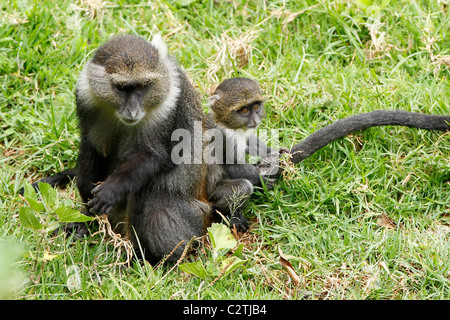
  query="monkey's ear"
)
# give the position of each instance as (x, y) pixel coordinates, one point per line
(213, 99)
(160, 45)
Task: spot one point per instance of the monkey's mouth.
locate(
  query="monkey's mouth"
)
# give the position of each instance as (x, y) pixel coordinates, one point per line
(130, 121)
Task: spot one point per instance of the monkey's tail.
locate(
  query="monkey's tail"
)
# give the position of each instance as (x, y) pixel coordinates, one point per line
(60, 179)
(343, 127)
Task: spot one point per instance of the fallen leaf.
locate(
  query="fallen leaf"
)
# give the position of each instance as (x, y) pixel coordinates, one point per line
(288, 266)
(384, 221)
(48, 256)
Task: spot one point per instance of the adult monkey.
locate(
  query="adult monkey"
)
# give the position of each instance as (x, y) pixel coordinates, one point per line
(130, 98)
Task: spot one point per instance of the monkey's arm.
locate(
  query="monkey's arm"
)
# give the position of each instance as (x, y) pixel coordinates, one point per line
(257, 147)
(91, 169)
(247, 171)
(342, 127)
(130, 176)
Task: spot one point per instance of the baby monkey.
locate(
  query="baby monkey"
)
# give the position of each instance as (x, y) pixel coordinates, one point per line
(237, 107)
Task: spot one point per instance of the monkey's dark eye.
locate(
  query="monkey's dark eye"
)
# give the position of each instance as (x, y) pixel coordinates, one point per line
(256, 106)
(121, 87)
(129, 87)
(244, 110)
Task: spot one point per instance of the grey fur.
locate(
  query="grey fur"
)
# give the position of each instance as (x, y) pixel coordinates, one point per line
(130, 97)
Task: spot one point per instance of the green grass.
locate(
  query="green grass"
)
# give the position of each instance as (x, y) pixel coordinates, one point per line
(315, 66)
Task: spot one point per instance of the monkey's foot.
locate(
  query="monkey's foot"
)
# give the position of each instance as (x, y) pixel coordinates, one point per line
(78, 229)
(240, 223)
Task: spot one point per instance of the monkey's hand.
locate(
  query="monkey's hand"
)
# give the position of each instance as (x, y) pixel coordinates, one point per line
(105, 198)
(270, 182)
(270, 166)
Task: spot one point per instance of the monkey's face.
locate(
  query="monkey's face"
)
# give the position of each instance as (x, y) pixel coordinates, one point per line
(131, 95)
(128, 77)
(137, 97)
(238, 103)
(247, 117)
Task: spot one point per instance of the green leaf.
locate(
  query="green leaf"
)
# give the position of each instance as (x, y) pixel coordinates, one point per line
(52, 226)
(233, 262)
(49, 196)
(185, 3)
(195, 268)
(66, 214)
(238, 252)
(31, 197)
(384, 4)
(37, 206)
(29, 191)
(221, 239)
(28, 218)
(363, 4)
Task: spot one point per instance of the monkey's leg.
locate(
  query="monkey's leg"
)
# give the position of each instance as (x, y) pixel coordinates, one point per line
(158, 223)
(61, 179)
(229, 197)
(91, 169)
(58, 180)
